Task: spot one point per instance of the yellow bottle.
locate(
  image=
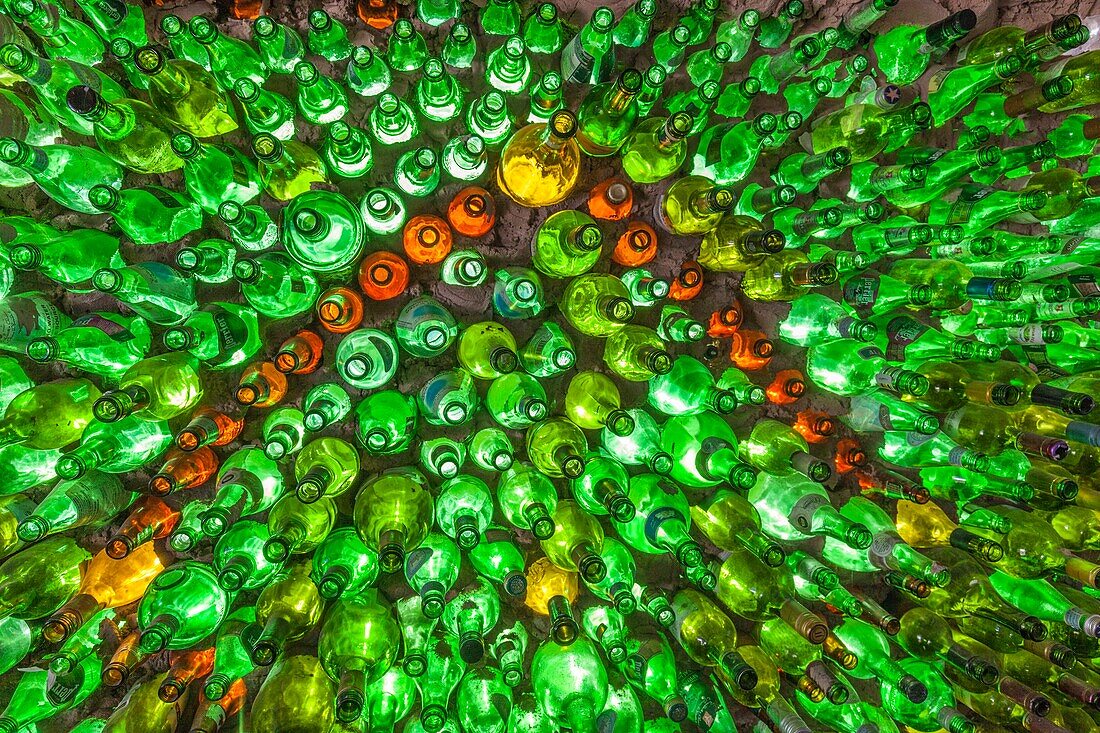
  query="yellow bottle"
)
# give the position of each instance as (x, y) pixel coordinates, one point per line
(540, 165)
(144, 712)
(551, 591)
(296, 697)
(925, 525)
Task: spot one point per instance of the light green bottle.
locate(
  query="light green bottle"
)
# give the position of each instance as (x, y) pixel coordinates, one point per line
(592, 402)
(657, 147)
(516, 401)
(636, 353)
(131, 132)
(157, 388)
(596, 304)
(287, 168)
(566, 698)
(148, 215)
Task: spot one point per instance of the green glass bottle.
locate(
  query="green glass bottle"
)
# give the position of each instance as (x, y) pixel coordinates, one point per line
(39, 696)
(905, 50)
(213, 175)
(327, 37)
(64, 173)
(148, 215)
(589, 57)
(527, 499)
(543, 31)
(516, 401)
(275, 285)
(727, 152)
(265, 111)
(464, 509)
(460, 48)
(182, 606)
(320, 99)
(607, 115)
(221, 335)
(568, 699)
(566, 244)
(230, 58)
(100, 343)
(248, 483)
(342, 565)
(407, 51)
(280, 46)
(367, 74)
(688, 388)
(507, 68)
(951, 89)
(52, 80)
(239, 559)
(116, 447)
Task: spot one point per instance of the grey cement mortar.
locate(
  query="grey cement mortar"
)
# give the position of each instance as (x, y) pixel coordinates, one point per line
(508, 244)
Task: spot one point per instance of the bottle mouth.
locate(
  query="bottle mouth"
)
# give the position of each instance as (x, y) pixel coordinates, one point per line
(515, 584)
(415, 664)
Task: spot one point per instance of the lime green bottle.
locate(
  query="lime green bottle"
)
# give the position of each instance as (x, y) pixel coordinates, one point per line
(131, 132)
(431, 570)
(787, 275)
(287, 168)
(487, 350)
(186, 94)
(657, 147)
(321, 100)
(596, 304)
(280, 46)
(393, 514)
(566, 244)
(592, 402)
(528, 499)
(557, 447)
(951, 89)
(209, 261)
(692, 205)
(39, 579)
(157, 388)
(847, 367)
(300, 678)
(288, 609)
(116, 447)
(328, 37)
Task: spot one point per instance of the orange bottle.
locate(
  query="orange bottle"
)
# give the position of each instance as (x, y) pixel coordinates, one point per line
(378, 14)
(209, 427)
(688, 282)
(751, 350)
(127, 657)
(849, 456)
(472, 212)
(151, 519)
(183, 470)
(107, 583)
(427, 239)
(300, 354)
(636, 246)
(611, 199)
(814, 425)
(383, 275)
(261, 385)
(340, 310)
(725, 322)
(788, 386)
(185, 666)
